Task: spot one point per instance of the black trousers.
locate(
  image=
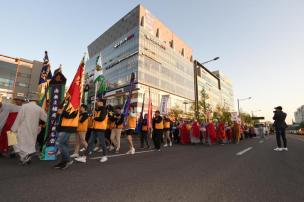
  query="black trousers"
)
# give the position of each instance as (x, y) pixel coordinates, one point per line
(280, 132)
(144, 139)
(157, 137)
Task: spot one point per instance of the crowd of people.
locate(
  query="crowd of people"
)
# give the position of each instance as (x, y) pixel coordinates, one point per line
(102, 130)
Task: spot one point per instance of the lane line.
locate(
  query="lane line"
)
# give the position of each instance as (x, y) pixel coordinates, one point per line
(244, 151)
(117, 155)
(261, 141)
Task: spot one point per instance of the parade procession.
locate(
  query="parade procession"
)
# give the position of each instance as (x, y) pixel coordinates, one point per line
(58, 125)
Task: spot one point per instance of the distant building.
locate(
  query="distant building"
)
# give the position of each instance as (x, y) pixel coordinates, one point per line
(299, 115)
(18, 77)
(227, 97)
(142, 44)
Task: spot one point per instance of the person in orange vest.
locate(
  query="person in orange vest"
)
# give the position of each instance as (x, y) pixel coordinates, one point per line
(131, 125)
(110, 126)
(167, 131)
(144, 132)
(100, 120)
(158, 127)
(67, 127)
(81, 130)
(118, 119)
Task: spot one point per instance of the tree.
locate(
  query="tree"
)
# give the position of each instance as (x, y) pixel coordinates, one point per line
(246, 118)
(302, 124)
(176, 111)
(203, 106)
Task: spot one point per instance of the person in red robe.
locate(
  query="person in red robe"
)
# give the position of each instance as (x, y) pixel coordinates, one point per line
(185, 134)
(195, 133)
(221, 134)
(211, 134)
(7, 126)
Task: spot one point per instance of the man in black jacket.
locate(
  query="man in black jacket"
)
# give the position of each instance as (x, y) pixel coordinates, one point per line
(158, 127)
(280, 127)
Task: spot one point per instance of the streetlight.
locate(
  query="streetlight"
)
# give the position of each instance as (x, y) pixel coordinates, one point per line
(185, 103)
(238, 101)
(216, 58)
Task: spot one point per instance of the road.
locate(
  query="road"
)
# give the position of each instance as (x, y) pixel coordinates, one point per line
(250, 171)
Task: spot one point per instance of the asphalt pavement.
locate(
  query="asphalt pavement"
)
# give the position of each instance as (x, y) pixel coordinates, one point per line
(249, 171)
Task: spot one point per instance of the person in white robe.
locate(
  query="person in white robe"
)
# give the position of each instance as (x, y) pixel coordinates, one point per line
(6, 108)
(26, 127)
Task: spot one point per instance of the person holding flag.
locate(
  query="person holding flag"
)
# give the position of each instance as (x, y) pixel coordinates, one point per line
(69, 117)
(100, 120)
(131, 125)
(158, 127)
(144, 132)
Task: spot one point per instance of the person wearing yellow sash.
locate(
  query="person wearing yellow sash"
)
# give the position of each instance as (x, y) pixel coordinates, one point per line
(131, 125)
(158, 127)
(167, 132)
(144, 132)
(81, 130)
(100, 120)
(118, 119)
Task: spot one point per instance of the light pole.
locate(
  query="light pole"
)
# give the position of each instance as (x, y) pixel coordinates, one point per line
(197, 66)
(185, 103)
(238, 101)
(216, 58)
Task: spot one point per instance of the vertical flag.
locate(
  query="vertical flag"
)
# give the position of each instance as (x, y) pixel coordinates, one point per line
(45, 77)
(75, 91)
(141, 117)
(56, 91)
(149, 111)
(128, 101)
(164, 104)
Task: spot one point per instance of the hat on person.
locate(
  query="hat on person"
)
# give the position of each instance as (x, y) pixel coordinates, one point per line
(19, 98)
(278, 107)
(33, 97)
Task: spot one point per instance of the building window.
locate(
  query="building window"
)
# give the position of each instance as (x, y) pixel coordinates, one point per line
(142, 21)
(157, 33)
(183, 52)
(22, 85)
(191, 58)
(172, 44)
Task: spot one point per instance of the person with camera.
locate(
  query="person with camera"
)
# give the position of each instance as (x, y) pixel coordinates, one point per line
(280, 127)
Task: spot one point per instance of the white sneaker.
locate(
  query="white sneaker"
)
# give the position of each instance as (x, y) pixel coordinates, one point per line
(103, 159)
(81, 159)
(82, 150)
(95, 149)
(75, 155)
(133, 151)
(170, 144)
(111, 148)
(278, 149)
(165, 145)
(285, 149)
(100, 150)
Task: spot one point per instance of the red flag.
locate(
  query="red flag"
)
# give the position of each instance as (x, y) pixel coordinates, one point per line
(149, 111)
(75, 89)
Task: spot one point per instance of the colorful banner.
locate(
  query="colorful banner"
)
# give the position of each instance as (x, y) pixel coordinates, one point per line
(128, 101)
(141, 117)
(56, 91)
(164, 104)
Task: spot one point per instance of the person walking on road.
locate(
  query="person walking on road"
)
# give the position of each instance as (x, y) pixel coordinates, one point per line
(158, 127)
(26, 126)
(280, 127)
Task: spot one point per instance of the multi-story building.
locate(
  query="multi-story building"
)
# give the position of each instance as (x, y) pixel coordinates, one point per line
(227, 97)
(142, 44)
(18, 77)
(299, 115)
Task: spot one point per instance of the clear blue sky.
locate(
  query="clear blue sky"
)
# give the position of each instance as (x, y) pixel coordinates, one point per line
(260, 43)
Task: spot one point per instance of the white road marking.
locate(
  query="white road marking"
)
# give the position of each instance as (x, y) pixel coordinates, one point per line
(244, 151)
(117, 155)
(261, 141)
